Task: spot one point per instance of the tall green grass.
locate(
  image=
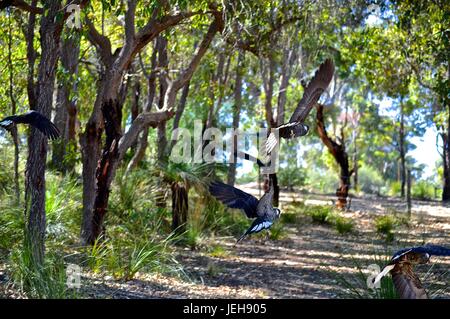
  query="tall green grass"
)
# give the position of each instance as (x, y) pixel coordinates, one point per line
(36, 280)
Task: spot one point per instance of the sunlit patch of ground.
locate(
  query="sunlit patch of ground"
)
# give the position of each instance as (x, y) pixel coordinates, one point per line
(305, 262)
(301, 265)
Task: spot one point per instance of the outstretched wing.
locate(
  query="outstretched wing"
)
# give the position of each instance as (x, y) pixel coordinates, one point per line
(432, 250)
(258, 225)
(234, 198)
(313, 90)
(42, 123)
(407, 283)
(35, 119)
(311, 95)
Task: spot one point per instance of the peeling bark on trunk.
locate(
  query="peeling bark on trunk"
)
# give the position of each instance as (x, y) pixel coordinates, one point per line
(163, 64)
(161, 138)
(50, 31)
(90, 141)
(288, 61)
(340, 155)
(355, 168)
(112, 112)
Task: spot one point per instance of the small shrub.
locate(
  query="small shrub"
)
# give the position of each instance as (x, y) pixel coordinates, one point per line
(291, 176)
(193, 238)
(320, 214)
(288, 218)
(422, 190)
(343, 225)
(218, 251)
(395, 189)
(385, 225)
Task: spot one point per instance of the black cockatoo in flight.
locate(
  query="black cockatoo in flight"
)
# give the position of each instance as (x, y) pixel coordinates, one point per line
(296, 127)
(35, 119)
(262, 210)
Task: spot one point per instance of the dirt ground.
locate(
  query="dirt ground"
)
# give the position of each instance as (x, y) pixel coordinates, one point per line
(303, 264)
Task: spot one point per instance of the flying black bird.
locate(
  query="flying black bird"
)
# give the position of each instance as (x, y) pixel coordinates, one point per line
(35, 119)
(262, 209)
(295, 127)
(406, 282)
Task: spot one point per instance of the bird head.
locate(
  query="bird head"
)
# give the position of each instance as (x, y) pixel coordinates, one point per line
(411, 257)
(418, 258)
(277, 211)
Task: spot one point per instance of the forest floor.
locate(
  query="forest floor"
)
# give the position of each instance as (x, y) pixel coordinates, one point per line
(303, 264)
(306, 262)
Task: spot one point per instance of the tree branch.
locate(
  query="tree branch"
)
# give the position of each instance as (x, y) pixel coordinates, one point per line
(102, 43)
(329, 143)
(155, 27)
(253, 45)
(186, 75)
(129, 21)
(22, 5)
(143, 120)
(153, 119)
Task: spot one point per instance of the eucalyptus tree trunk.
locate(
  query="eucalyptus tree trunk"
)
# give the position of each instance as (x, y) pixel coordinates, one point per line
(216, 92)
(163, 64)
(446, 161)
(179, 113)
(341, 157)
(446, 147)
(355, 168)
(143, 138)
(50, 30)
(66, 108)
